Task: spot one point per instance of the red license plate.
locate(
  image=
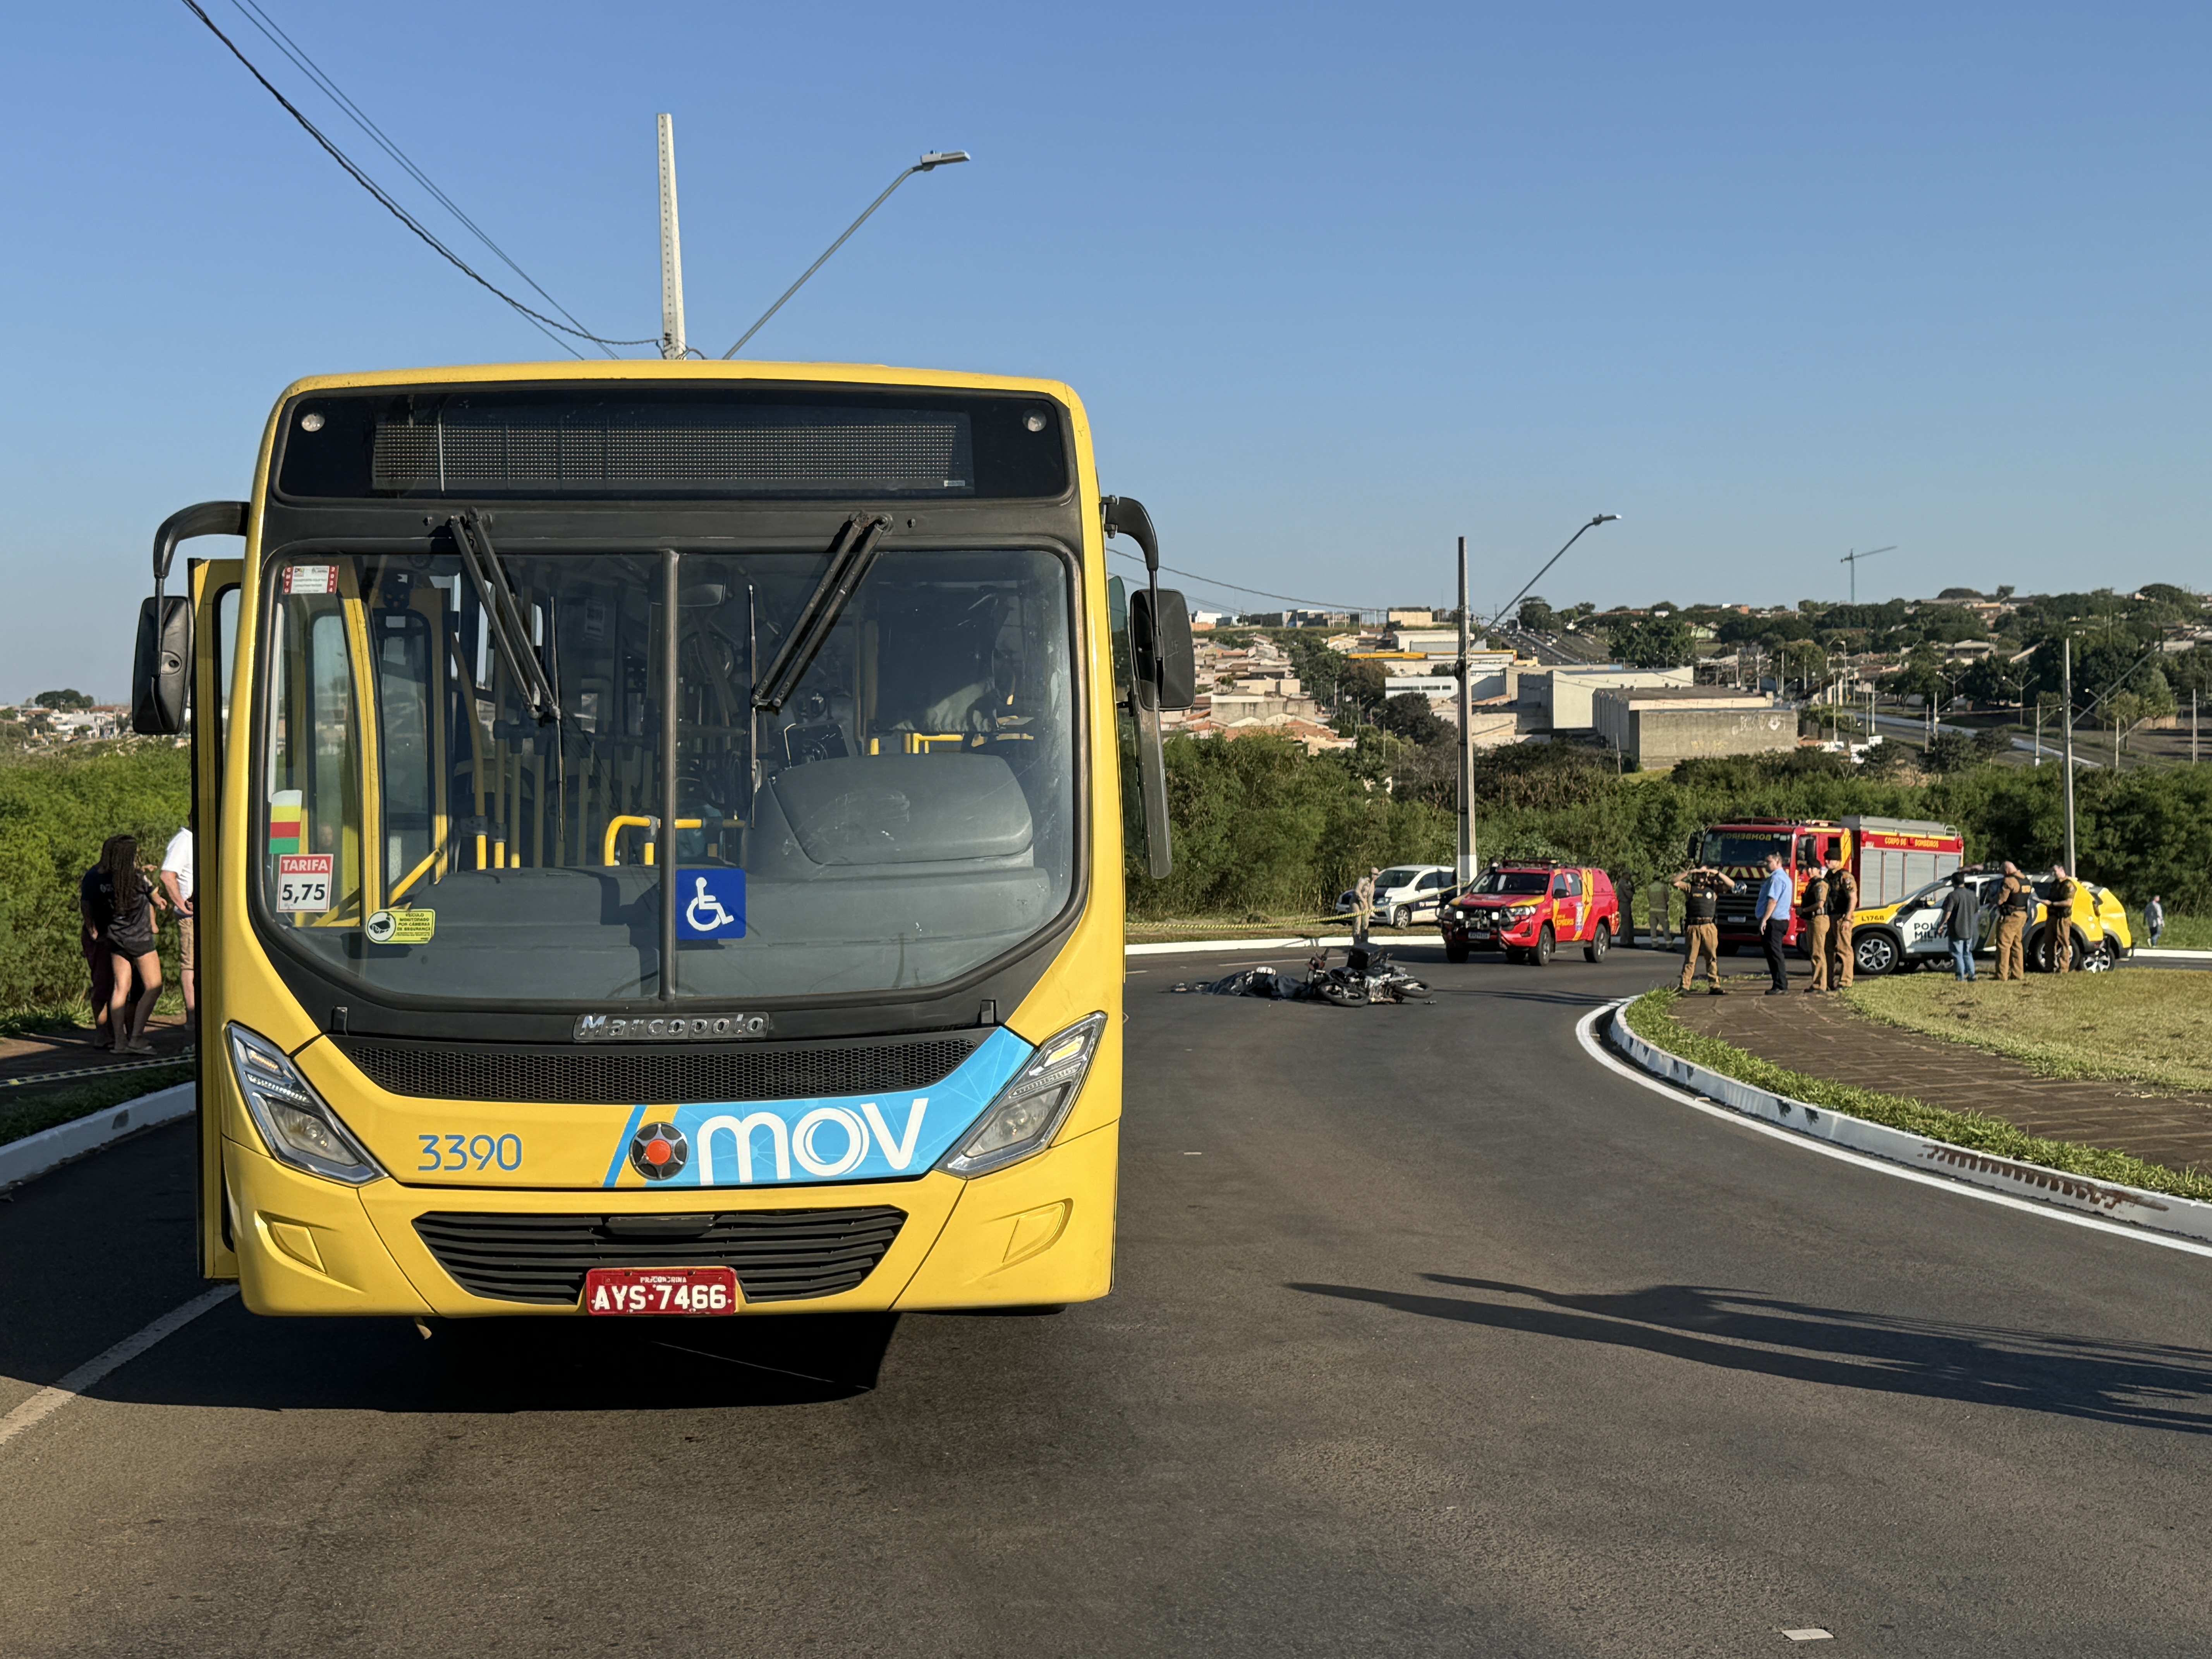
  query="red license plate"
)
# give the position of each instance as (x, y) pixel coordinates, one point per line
(686, 1290)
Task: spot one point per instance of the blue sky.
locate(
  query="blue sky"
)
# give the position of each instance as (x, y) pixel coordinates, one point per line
(1338, 284)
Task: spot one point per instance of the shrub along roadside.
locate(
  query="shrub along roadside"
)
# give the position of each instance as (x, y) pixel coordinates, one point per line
(1651, 1017)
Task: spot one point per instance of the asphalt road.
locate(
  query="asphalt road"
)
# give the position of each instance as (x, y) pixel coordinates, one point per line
(1430, 1337)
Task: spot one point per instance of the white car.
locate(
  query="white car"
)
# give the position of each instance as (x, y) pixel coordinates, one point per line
(1404, 895)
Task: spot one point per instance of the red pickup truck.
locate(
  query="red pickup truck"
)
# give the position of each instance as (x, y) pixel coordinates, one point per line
(1529, 909)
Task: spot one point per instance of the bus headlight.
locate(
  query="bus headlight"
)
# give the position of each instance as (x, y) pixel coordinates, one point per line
(296, 1125)
(1030, 1108)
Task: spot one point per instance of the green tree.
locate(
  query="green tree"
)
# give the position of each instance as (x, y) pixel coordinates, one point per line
(1409, 716)
(1990, 679)
(1364, 684)
(1537, 616)
(1653, 642)
(66, 700)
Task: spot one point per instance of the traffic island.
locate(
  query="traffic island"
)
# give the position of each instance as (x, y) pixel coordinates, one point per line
(1830, 1039)
(1970, 1144)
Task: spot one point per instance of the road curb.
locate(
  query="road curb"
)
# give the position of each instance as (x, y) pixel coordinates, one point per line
(34, 1155)
(2162, 1213)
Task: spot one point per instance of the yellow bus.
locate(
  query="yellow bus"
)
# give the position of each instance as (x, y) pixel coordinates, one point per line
(660, 839)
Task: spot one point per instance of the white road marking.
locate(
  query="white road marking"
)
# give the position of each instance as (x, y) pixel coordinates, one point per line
(1586, 1033)
(1811, 1633)
(44, 1403)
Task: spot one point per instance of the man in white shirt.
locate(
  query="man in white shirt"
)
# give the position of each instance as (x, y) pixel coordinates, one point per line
(177, 883)
(1775, 897)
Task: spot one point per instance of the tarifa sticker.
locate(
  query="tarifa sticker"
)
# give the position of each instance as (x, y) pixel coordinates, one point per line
(401, 927)
(303, 881)
(306, 578)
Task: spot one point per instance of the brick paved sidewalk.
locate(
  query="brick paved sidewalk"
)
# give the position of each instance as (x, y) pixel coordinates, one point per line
(1819, 1036)
(68, 1049)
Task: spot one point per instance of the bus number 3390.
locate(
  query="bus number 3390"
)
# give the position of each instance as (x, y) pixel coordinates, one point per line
(455, 1153)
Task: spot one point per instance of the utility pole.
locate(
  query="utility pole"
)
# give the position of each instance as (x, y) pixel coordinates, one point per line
(2038, 728)
(2066, 681)
(672, 249)
(2192, 728)
(1466, 737)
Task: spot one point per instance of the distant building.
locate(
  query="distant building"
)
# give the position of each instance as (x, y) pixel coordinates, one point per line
(1659, 726)
(1410, 618)
(1558, 699)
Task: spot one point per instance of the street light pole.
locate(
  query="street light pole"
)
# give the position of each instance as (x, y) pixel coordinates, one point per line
(935, 159)
(2066, 681)
(672, 249)
(1466, 872)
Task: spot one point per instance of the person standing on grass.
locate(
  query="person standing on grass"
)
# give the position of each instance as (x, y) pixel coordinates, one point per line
(129, 936)
(1961, 920)
(95, 912)
(2015, 905)
(1363, 891)
(2155, 920)
(1775, 897)
(177, 883)
(2058, 920)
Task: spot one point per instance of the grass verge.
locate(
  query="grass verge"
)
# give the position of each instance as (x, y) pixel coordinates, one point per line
(30, 1018)
(2182, 933)
(1651, 1017)
(2154, 1029)
(65, 1102)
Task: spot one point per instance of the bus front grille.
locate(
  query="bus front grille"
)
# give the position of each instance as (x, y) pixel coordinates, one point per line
(780, 1256)
(664, 1075)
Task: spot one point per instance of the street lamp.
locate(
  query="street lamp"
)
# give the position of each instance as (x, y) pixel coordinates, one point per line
(929, 163)
(1466, 872)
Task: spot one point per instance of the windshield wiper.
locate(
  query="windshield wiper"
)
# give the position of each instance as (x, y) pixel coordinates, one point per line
(503, 616)
(850, 557)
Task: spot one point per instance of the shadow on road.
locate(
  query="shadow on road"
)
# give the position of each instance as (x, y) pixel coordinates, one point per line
(2144, 1385)
(231, 1358)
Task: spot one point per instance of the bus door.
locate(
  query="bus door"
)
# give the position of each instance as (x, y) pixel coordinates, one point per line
(213, 593)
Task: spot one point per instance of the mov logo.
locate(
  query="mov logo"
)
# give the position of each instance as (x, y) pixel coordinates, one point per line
(658, 1152)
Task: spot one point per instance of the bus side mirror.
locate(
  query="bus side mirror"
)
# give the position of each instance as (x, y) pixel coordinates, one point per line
(160, 668)
(1165, 660)
(1696, 843)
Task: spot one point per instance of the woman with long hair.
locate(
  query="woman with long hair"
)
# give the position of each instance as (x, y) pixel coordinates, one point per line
(129, 936)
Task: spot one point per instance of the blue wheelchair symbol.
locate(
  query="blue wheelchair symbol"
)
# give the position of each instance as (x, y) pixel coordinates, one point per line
(710, 904)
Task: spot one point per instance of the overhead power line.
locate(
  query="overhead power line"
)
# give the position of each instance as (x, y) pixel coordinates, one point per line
(1318, 605)
(393, 206)
(273, 32)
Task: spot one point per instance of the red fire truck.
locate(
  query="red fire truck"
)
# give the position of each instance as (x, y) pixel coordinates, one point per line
(1890, 858)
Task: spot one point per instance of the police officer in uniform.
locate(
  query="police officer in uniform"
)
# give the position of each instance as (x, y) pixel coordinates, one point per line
(2059, 921)
(1843, 903)
(2015, 905)
(1701, 924)
(1813, 910)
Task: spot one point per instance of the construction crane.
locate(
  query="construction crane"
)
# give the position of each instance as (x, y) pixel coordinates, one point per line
(1852, 559)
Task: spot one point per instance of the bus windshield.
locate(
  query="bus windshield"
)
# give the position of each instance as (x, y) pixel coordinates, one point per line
(907, 815)
(1742, 852)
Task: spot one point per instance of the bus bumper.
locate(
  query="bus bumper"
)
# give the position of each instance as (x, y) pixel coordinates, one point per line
(1039, 1233)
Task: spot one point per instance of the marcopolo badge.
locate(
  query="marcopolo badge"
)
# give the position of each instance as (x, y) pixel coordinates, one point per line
(658, 1152)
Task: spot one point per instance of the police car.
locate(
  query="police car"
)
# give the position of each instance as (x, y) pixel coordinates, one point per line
(1910, 933)
(1403, 894)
